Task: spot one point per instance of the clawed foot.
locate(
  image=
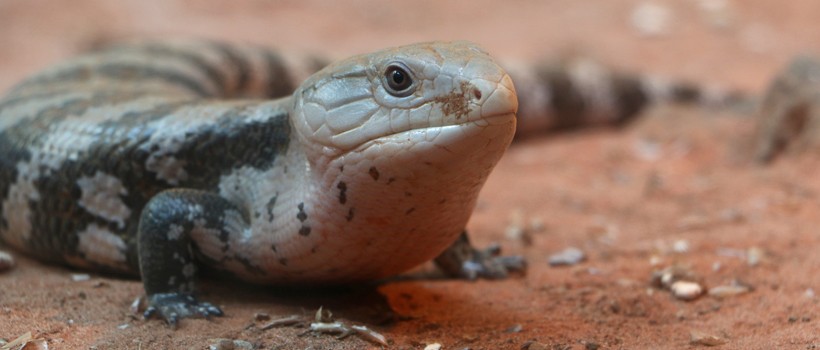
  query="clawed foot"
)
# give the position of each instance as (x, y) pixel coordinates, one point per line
(464, 261)
(489, 264)
(173, 306)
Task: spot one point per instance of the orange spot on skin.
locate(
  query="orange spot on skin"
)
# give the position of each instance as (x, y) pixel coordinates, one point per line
(457, 103)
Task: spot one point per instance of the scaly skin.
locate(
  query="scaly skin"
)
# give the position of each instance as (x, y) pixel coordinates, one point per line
(141, 159)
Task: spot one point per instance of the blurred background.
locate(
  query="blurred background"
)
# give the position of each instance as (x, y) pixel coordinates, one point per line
(729, 42)
(673, 189)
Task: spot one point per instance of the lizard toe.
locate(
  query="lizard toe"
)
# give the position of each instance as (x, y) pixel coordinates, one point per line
(174, 306)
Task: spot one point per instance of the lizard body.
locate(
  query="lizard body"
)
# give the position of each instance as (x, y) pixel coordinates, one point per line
(160, 158)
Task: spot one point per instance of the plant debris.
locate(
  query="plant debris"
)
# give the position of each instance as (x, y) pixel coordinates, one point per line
(25, 342)
(282, 322)
(324, 324)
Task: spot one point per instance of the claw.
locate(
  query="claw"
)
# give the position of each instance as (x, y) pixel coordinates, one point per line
(174, 306)
(149, 312)
(173, 320)
(494, 249)
(213, 310)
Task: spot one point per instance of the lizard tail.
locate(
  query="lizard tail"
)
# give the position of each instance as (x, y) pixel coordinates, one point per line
(581, 92)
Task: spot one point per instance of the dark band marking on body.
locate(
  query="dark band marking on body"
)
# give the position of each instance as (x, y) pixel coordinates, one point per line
(191, 58)
(216, 149)
(8, 169)
(350, 213)
(566, 101)
(28, 130)
(238, 61)
(630, 97)
(133, 118)
(278, 79)
(124, 72)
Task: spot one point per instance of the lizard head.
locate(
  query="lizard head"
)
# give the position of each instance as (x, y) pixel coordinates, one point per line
(399, 143)
(446, 94)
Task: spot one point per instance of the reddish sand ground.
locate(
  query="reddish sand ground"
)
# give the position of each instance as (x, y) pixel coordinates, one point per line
(677, 187)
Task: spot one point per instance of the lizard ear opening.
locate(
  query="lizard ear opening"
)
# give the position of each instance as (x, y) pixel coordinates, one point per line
(398, 81)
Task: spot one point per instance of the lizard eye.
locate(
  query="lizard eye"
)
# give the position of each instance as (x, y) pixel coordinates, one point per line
(398, 80)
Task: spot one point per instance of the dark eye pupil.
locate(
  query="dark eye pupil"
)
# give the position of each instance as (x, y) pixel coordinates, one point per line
(398, 81)
(398, 77)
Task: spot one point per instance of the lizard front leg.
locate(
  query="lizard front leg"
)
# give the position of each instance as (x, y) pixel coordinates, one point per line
(169, 225)
(462, 260)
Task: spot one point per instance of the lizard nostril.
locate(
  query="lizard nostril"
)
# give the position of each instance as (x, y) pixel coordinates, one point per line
(477, 94)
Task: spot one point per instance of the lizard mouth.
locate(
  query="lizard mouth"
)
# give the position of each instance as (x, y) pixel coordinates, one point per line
(448, 136)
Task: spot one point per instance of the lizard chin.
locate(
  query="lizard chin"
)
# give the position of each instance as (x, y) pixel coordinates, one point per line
(408, 194)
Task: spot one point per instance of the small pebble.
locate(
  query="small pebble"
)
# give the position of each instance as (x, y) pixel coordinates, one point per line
(721, 292)
(6, 261)
(537, 225)
(651, 19)
(567, 257)
(514, 329)
(685, 290)
(80, 277)
(680, 246)
(647, 150)
(665, 277)
(809, 293)
(516, 231)
(434, 346)
(700, 338)
(753, 256)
